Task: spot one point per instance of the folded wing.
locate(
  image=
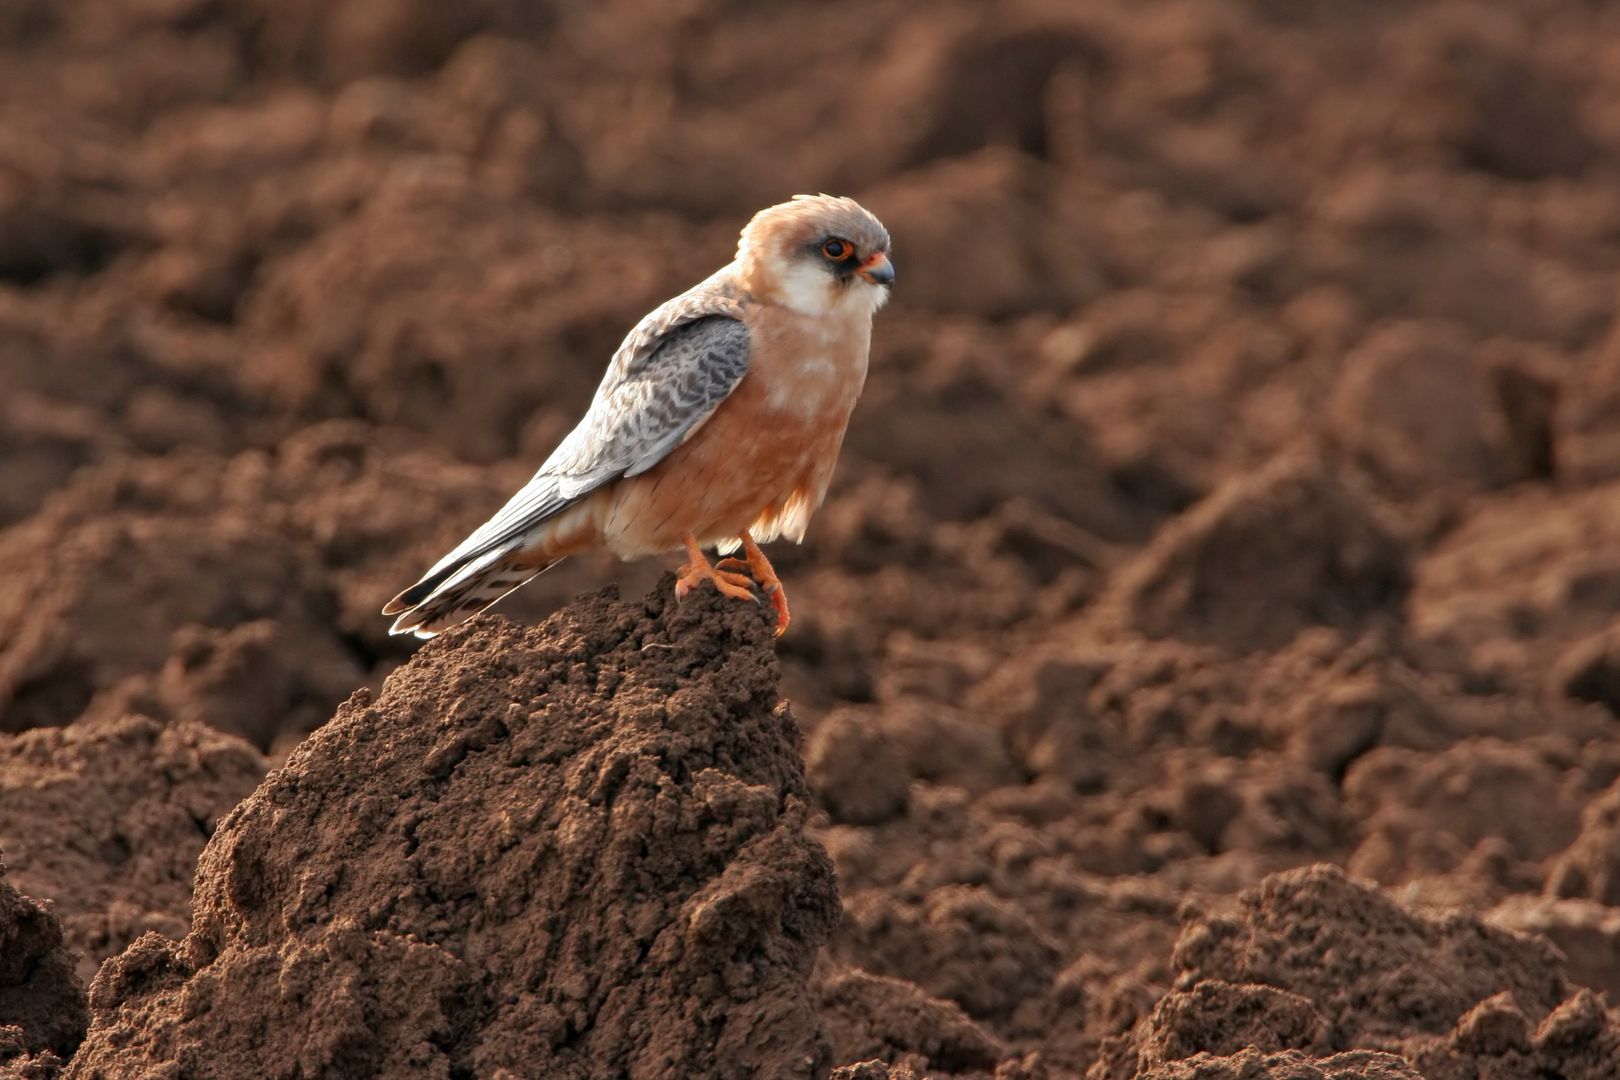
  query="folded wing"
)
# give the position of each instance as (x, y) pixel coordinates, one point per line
(670, 375)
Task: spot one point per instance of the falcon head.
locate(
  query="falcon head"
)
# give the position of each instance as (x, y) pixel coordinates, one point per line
(818, 254)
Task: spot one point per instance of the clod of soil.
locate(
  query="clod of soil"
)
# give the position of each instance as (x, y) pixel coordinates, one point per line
(42, 1005)
(1236, 487)
(1266, 556)
(575, 849)
(120, 863)
(108, 579)
(1591, 866)
(1316, 964)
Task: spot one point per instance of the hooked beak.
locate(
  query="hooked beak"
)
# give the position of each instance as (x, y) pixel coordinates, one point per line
(877, 269)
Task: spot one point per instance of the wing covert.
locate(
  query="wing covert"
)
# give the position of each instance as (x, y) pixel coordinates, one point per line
(654, 405)
(657, 393)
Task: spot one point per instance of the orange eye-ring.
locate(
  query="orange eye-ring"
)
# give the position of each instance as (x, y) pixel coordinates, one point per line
(838, 250)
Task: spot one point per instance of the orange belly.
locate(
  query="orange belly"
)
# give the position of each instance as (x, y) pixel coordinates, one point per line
(762, 462)
(750, 466)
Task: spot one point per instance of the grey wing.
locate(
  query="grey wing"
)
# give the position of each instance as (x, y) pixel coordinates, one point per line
(657, 393)
(650, 406)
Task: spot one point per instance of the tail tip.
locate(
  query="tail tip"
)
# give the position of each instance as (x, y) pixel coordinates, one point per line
(412, 596)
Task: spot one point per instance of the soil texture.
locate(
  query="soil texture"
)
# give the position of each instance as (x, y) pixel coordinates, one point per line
(1206, 664)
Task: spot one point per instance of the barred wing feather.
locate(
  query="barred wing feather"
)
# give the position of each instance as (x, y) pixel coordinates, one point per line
(670, 375)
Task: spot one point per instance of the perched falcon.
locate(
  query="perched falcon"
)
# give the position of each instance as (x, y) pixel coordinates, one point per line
(717, 425)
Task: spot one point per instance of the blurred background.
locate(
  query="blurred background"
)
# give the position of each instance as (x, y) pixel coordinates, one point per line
(1235, 484)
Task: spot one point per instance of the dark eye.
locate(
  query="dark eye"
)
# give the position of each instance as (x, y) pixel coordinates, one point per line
(837, 250)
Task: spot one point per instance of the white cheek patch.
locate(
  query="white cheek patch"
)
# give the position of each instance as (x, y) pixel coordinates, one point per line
(806, 288)
(862, 299)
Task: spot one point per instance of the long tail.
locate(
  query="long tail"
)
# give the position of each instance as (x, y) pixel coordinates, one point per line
(447, 597)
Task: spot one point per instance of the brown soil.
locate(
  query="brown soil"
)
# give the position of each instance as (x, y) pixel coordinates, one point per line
(120, 861)
(580, 844)
(1236, 491)
(42, 1003)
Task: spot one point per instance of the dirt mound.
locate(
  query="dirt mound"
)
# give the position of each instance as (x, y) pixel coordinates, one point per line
(1427, 813)
(1524, 587)
(1589, 415)
(1373, 969)
(1262, 559)
(1290, 1065)
(869, 1017)
(1319, 965)
(1234, 487)
(260, 576)
(85, 626)
(1591, 865)
(566, 850)
(1587, 933)
(1417, 408)
(120, 863)
(42, 1003)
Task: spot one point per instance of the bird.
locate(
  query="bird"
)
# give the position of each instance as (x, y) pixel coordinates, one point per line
(716, 426)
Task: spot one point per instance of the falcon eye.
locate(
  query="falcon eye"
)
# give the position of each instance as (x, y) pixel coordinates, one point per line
(837, 250)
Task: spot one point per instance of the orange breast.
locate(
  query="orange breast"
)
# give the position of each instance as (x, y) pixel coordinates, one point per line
(763, 461)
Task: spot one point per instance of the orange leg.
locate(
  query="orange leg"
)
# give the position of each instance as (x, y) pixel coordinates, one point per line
(698, 570)
(760, 567)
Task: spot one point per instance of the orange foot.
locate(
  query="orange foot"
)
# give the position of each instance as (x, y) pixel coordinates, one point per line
(698, 570)
(760, 567)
